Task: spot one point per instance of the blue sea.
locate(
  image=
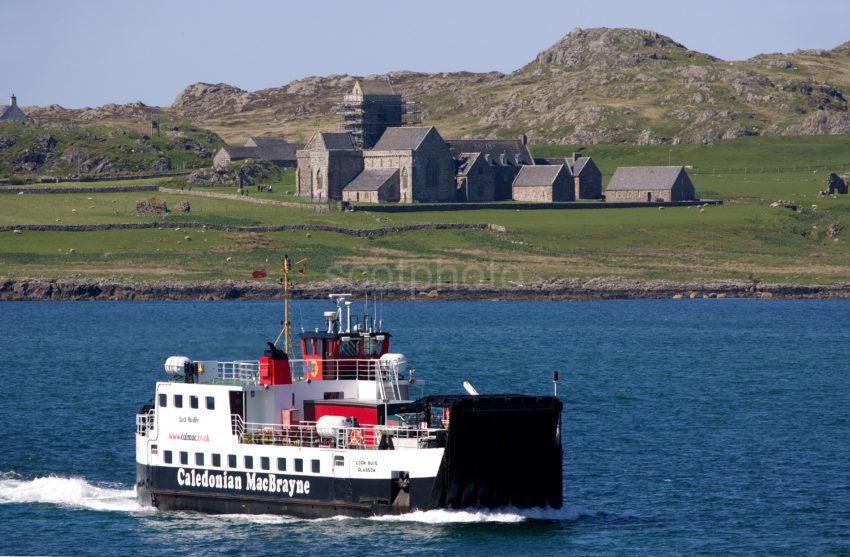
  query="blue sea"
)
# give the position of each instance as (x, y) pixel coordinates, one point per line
(690, 426)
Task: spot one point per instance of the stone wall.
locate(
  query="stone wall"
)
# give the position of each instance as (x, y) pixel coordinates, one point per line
(639, 196)
(322, 174)
(72, 189)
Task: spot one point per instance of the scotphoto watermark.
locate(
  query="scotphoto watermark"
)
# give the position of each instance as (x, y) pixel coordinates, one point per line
(418, 275)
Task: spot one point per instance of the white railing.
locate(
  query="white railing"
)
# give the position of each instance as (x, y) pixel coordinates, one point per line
(145, 422)
(239, 371)
(247, 372)
(304, 434)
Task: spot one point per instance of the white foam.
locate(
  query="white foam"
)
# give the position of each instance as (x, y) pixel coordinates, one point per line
(67, 492)
(507, 515)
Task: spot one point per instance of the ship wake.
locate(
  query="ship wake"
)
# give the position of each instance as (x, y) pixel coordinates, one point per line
(66, 492)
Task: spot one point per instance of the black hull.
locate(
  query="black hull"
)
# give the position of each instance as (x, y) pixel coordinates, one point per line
(158, 487)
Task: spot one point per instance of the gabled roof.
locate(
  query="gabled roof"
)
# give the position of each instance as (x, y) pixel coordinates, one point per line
(577, 167)
(371, 179)
(644, 177)
(402, 139)
(374, 87)
(240, 152)
(516, 152)
(538, 175)
(328, 141)
(465, 162)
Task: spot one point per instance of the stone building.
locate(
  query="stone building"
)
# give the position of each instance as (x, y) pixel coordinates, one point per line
(475, 179)
(369, 109)
(543, 183)
(274, 149)
(586, 176)
(496, 167)
(326, 164)
(423, 160)
(12, 112)
(373, 185)
(650, 184)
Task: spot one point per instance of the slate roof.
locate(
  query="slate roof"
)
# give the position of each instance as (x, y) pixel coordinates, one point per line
(371, 179)
(465, 161)
(644, 177)
(576, 167)
(402, 139)
(240, 152)
(274, 148)
(537, 175)
(515, 150)
(376, 87)
(337, 140)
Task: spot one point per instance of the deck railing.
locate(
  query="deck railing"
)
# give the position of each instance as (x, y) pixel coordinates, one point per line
(305, 434)
(145, 422)
(247, 372)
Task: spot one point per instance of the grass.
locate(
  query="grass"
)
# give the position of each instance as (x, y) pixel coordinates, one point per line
(743, 239)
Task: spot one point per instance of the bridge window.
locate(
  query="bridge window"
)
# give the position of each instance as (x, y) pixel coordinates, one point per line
(193, 401)
(349, 347)
(264, 462)
(216, 460)
(281, 464)
(163, 400)
(231, 461)
(210, 403)
(166, 456)
(299, 464)
(199, 459)
(249, 462)
(178, 401)
(184, 457)
(316, 466)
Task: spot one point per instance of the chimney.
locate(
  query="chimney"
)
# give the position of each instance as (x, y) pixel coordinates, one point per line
(576, 155)
(524, 139)
(13, 101)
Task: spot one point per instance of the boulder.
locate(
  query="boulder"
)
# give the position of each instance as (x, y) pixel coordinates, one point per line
(182, 207)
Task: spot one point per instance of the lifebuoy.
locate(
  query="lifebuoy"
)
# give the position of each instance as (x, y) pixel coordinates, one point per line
(355, 438)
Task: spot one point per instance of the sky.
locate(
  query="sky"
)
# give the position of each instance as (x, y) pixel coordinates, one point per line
(91, 52)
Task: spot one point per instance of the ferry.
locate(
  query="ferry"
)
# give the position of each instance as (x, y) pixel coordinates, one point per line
(343, 430)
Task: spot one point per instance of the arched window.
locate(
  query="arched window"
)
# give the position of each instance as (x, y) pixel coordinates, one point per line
(404, 184)
(319, 190)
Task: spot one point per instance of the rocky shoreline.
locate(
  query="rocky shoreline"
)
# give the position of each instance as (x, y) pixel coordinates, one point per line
(594, 289)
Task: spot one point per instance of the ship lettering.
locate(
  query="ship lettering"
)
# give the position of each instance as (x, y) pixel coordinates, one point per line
(193, 478)
(272, 484)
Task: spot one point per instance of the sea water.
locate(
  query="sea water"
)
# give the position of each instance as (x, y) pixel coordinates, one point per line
(689, 426)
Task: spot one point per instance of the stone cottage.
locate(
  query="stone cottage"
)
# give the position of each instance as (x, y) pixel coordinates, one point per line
(326, 164)
(650, 184)
(373, 185)
(543, 183)
(423, 161)
(274, 149)
(12, 112)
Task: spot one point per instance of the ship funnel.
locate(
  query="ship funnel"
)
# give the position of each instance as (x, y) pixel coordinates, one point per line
(469, 388)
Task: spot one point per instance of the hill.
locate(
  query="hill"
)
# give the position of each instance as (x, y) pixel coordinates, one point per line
(100, 150)
(593, 86)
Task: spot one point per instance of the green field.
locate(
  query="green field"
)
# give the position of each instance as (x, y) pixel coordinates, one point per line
(742, 239)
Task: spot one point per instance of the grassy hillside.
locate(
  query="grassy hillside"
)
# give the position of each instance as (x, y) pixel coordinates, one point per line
(28, 150)
(743, 239)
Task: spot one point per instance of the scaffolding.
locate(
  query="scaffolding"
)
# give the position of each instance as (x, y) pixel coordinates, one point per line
(367, 116)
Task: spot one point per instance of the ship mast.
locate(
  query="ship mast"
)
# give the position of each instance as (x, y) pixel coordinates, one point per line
(286, 330)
